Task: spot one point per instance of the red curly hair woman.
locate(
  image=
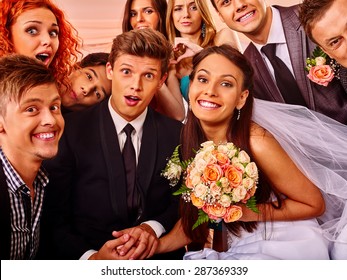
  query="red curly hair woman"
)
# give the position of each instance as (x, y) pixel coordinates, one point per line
(39, 29)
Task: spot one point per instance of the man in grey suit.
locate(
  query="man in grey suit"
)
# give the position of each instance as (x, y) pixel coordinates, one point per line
(264, 24)
(90, 197)
(315, 16)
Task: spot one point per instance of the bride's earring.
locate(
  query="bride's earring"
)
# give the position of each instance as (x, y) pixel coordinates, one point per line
(238, 114)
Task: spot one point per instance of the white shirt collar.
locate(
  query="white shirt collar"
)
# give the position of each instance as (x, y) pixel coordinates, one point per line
(120, 122)
(276, 34)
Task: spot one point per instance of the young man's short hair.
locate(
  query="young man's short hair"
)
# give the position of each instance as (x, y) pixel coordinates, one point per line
(312, 11)
(143, 43)
(18, 74)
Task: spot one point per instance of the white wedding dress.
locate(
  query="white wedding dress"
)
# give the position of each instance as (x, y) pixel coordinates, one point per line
(318, 146)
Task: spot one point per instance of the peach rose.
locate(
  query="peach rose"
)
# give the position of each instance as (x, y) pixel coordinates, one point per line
(214, 211)
(244, 157)
(207, 145)
(233, 213)
(222, 159)
(234, 176)
(247, 183)
(239, 193)
(197, 202)
(222, 148)
(212, 173)
(321, 74)
(215, 190)
(252, 170)
(239, 166)
(200, 190)
(224, 182)
(225, 200)
(200, 164)
(189, 181)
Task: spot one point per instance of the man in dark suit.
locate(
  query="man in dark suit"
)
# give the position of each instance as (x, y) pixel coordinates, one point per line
(31, 125)
(315, 17)
(263, 25)
(88, 198)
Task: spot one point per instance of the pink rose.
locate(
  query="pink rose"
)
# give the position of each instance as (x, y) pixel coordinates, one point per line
(214, 211)
(233, 213)
(215, 190)
(321, 74)
(222, 159)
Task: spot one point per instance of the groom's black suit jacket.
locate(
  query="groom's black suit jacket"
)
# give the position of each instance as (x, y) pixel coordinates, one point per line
(86, 196)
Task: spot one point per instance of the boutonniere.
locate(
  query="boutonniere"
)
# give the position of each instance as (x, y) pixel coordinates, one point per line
(320, 67)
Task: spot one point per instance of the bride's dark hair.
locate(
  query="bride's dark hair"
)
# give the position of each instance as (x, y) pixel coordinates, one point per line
(238, 132)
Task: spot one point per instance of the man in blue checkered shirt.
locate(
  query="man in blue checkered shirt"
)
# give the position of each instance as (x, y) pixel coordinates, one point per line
(31, 125)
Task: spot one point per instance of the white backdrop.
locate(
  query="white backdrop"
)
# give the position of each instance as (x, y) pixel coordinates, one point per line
(99, 21)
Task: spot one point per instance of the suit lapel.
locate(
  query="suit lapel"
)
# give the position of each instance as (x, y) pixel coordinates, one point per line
(343, 77)
(5, 220)
(264, 73)
(148, 153)
(114, 162)
(298, 51)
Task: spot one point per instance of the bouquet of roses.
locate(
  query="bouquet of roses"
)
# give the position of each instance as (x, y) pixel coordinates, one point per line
(216, 181)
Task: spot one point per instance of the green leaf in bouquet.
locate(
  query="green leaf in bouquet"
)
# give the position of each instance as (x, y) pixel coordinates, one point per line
(175, 157)
(252, 204)
(202, 218)
(181, 190)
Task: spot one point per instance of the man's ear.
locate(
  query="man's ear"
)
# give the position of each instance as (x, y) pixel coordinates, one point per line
(2, 128)
(242, 100)
(109, 71)
(162, 80)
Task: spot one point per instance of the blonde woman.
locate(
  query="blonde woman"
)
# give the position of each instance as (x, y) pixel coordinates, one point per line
(190, 27)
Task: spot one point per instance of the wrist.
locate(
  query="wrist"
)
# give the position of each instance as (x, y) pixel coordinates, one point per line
(93, 256)
(148, 229)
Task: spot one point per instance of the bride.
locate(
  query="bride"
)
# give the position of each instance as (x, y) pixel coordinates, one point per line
(301, 157)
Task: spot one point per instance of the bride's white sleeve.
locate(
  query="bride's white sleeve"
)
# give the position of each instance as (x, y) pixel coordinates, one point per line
(318, 146)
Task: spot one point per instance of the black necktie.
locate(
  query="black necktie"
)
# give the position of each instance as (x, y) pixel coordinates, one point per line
(284, 78)
(129, 159)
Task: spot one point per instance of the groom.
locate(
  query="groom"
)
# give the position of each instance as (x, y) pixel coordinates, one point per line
(88, 198)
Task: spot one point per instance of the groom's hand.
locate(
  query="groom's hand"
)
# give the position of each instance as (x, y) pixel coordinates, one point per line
(142, 237)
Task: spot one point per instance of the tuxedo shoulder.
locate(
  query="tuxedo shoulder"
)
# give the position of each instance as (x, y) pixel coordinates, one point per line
(166, 120)
(86, 116)
(83, 114)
